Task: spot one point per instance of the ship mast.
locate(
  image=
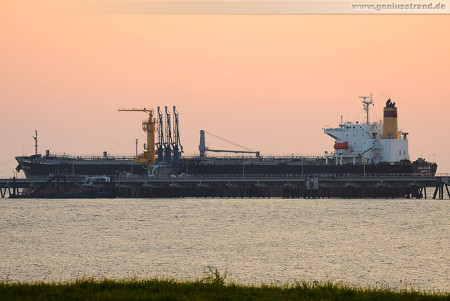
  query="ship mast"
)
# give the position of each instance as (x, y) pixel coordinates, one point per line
(35, 137)
(367, 101)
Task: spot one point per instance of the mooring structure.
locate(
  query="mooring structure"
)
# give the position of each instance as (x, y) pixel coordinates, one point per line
(231, 186)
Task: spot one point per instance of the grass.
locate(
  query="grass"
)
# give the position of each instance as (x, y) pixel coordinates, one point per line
(212, 287)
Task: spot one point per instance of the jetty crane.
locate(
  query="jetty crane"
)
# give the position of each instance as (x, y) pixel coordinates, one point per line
(147, 158)
(176, 141)
(168, 138)
(160, 144)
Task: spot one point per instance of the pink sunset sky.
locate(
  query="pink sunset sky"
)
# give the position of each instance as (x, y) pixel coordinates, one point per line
(269, 82)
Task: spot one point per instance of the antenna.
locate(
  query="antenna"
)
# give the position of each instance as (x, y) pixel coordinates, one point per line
(366, 105)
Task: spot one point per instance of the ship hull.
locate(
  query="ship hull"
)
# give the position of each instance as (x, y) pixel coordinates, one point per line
(38, 167)
(34, 167)
(307, 169)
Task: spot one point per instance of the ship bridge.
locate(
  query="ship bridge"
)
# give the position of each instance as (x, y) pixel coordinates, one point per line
(369, 142)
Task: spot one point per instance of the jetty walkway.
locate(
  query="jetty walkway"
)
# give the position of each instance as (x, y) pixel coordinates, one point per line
(231, 186)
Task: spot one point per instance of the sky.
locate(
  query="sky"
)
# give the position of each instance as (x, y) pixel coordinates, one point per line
(268, 82)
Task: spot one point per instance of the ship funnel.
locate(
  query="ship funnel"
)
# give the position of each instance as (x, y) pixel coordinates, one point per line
(390, 124)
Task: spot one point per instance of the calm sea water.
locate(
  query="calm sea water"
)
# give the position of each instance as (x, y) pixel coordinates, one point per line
(395, 243)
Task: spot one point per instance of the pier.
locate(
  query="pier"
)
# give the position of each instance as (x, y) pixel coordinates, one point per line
(232, 186)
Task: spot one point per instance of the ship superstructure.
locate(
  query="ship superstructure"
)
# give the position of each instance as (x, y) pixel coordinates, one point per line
(369, 142)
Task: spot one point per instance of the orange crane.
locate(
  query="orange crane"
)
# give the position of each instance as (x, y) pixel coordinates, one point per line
(146, 159)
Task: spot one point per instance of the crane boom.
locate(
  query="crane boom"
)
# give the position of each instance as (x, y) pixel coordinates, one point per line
(145, 110)
(147, 158)
(203, 149)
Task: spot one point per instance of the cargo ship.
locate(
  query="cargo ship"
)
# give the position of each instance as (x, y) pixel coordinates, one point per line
(359, 148)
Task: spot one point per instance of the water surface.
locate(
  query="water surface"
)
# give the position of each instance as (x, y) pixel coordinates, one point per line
(398, 243)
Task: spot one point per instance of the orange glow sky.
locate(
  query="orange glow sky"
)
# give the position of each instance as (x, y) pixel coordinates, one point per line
(267, 82)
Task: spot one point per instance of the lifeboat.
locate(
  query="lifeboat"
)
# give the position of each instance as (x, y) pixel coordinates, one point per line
(342, 145)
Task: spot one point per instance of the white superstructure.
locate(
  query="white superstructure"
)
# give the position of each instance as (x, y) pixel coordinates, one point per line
(367, 143)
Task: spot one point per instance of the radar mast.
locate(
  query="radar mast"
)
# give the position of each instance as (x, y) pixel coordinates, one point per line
(367, 101)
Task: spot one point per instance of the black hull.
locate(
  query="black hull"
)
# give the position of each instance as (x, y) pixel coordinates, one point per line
(283, 169)
(119, 168)
(40, 169)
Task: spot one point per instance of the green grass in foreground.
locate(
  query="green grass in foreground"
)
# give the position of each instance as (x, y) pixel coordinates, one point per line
(154, 289)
